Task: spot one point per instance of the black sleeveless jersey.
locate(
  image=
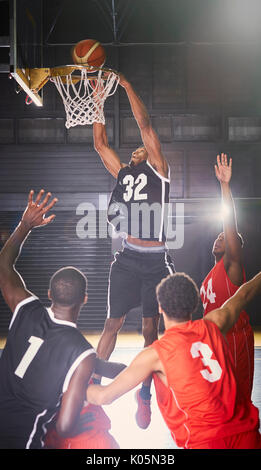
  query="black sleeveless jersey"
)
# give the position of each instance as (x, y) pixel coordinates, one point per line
(39, 358)
(139, 203)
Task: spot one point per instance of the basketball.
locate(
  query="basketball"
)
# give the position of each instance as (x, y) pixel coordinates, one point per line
(89, 52)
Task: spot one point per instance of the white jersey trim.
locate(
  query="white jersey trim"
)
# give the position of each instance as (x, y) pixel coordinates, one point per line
(21, 304)
(29, 442)
(248, 357)
(186, 416)
(59, 322)
(74, 367)
(44, 426)
(157, 173)
(168, 266)
(162, 209)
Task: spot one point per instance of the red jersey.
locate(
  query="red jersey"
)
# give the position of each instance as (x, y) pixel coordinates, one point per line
(215, 290)
(201, 402)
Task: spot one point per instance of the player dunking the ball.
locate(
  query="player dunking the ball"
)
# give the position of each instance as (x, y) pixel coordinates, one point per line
(144, 259)
(225, 278)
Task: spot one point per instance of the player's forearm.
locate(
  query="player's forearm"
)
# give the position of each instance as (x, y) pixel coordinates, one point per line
(108, 369)
(227, 315)
(12, 248)
(250, 289)
(99, 395)
(244, 295)
(140, 369)
(137, 106)
(230, 212)
(99, 136)
(107, 155)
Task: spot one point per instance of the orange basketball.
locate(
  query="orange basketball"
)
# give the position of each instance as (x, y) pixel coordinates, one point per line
(89, 52)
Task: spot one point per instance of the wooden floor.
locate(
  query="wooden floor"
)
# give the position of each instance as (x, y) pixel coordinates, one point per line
(133, 339)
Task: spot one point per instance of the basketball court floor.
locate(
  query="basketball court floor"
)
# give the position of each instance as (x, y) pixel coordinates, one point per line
(122, 411)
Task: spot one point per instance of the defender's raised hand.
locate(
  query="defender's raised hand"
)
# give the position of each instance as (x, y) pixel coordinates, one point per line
(223, 170)
(34, 214)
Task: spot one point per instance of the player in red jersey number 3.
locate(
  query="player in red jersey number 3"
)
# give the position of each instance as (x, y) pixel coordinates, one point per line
(193, 372)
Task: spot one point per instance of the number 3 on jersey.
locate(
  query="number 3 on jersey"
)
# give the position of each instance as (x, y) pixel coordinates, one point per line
(203, 351)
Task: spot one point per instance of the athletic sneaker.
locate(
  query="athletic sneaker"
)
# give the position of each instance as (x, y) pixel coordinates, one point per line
(143, 414)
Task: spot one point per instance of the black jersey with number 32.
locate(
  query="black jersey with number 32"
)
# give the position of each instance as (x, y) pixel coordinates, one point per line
(36, 365)
(139, 202)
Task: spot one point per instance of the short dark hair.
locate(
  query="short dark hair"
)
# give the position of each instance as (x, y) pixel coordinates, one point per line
(68, 286)
(178, 296)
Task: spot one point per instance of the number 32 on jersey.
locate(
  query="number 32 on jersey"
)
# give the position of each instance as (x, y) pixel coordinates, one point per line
(133, 187)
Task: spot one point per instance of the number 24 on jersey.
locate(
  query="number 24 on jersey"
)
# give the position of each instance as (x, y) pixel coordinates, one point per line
(209, 295)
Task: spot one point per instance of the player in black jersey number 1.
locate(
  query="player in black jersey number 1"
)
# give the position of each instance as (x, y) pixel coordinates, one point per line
(140, 199)
(47, 363)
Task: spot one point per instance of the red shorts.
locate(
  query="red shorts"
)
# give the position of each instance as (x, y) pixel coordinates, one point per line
(86, 440)
(244, 440)
(96, 437)
(241, 345)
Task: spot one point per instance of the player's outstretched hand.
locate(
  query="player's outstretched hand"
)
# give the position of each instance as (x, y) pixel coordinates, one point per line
(223, 170)
(35, 212)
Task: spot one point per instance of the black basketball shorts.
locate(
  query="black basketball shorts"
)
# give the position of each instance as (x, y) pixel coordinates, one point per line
(133, 279)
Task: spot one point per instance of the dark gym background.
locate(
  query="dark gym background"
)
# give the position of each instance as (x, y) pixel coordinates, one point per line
(197, 66)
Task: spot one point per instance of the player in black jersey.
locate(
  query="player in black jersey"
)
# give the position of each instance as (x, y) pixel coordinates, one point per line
(140, 202)
(47, 363)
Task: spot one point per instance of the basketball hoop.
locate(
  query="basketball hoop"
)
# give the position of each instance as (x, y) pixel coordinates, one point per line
(84, 93)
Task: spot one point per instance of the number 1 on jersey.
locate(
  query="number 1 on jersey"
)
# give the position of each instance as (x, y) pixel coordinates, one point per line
(35, 344)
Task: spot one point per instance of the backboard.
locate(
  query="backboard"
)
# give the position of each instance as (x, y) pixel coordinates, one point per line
(26, 45)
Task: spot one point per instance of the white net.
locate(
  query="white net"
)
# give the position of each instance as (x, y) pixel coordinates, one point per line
(84, 96)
